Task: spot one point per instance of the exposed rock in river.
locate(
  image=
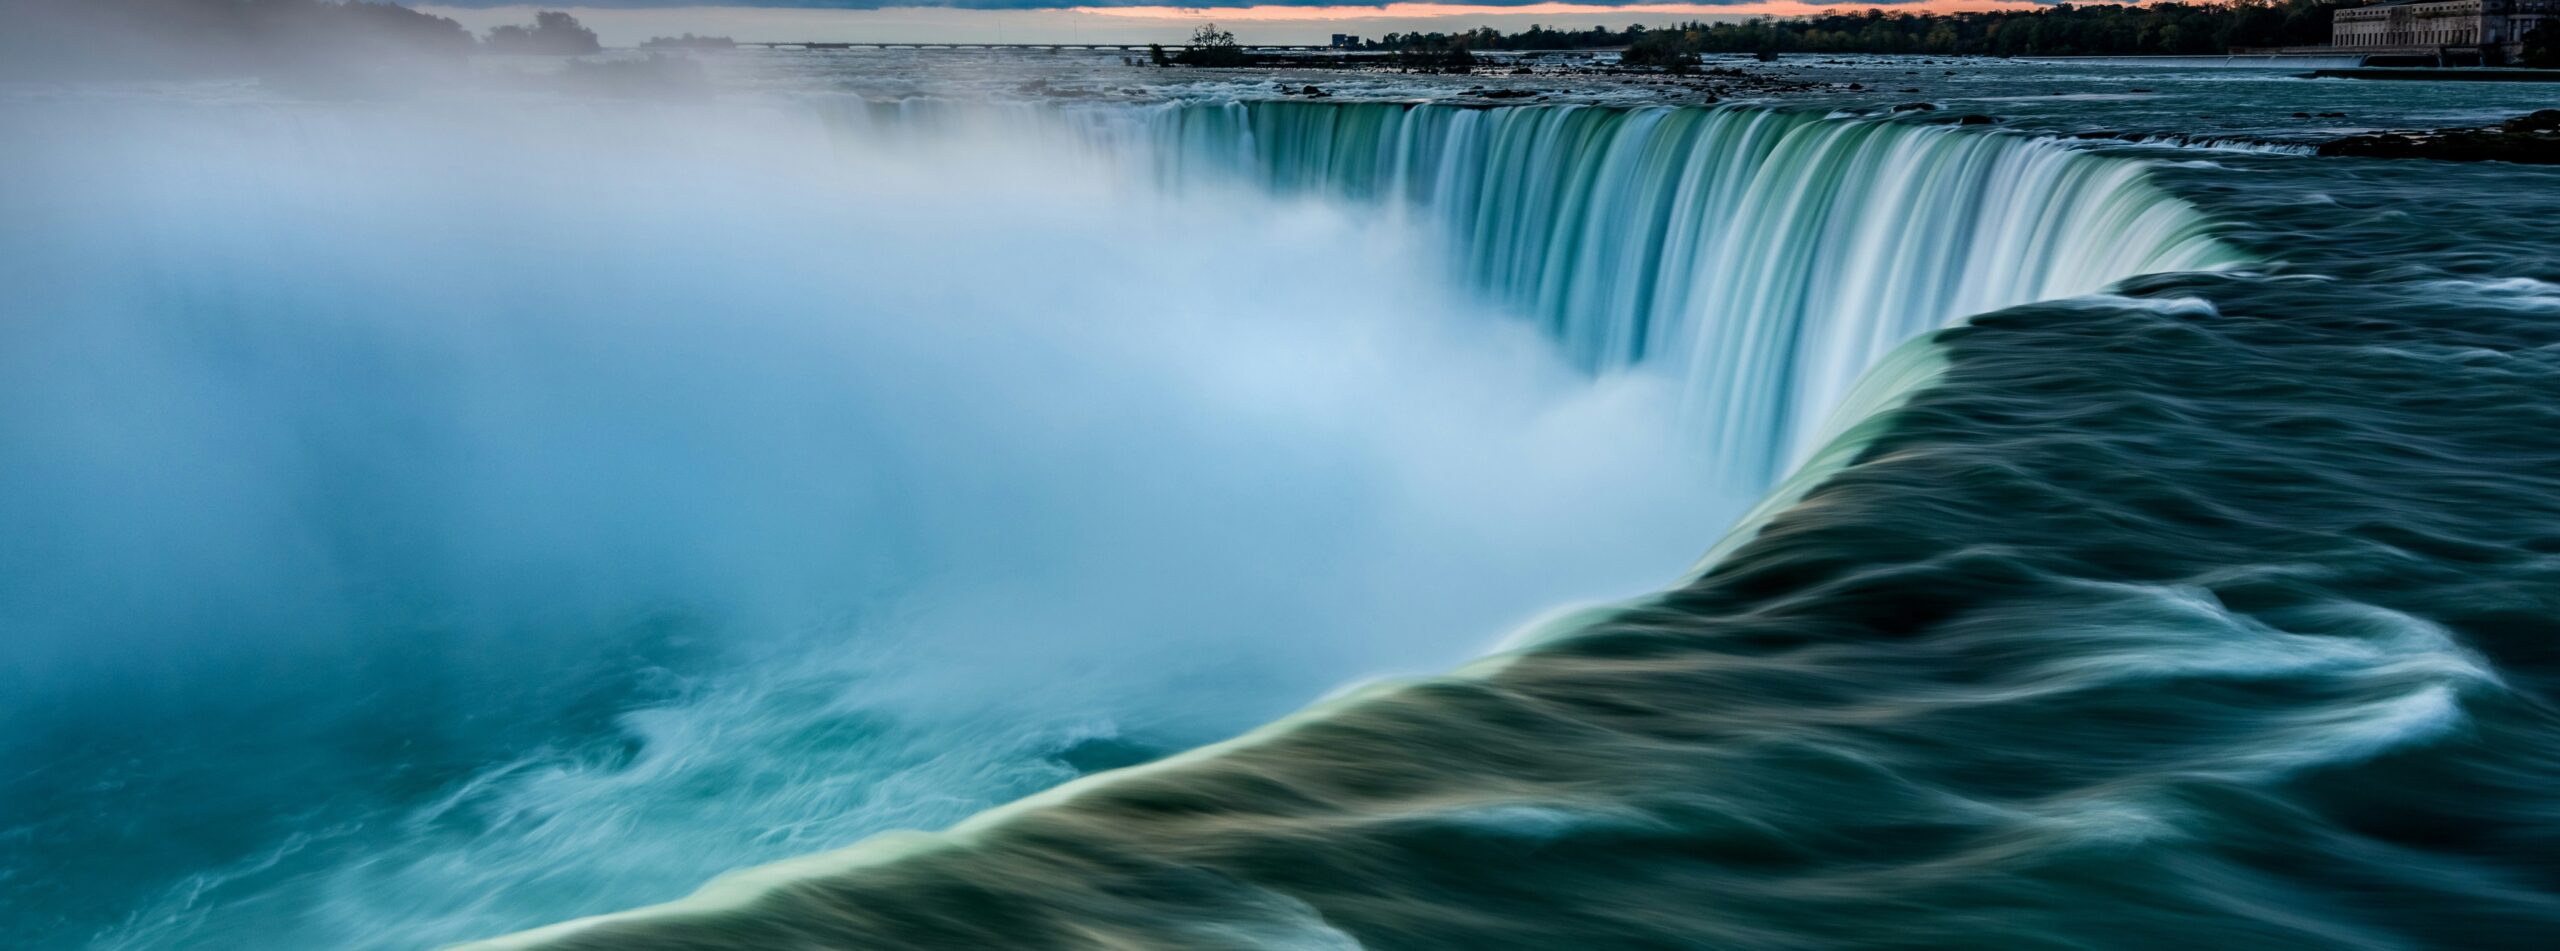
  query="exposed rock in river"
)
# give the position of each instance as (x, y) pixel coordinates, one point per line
(2530, 139)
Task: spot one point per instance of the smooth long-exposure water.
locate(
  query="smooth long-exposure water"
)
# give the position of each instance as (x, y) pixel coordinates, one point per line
(440, 518)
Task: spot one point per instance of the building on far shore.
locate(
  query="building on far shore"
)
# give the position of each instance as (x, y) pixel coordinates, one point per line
(2490, 31)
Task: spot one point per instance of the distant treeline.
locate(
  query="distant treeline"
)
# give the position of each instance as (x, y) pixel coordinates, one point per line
(552, 33)
(211, 38)
(689, 42)
(2060, 30)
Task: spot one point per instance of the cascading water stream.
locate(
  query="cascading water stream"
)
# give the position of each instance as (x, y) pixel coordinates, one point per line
(1767, 260)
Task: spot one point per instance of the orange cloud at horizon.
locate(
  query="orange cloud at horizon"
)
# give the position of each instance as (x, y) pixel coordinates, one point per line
(1429, 10)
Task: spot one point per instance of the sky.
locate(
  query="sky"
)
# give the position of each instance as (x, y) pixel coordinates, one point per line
(1055, 21)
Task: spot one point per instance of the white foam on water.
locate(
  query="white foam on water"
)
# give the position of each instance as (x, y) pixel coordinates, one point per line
(963, 454)
(969, 446)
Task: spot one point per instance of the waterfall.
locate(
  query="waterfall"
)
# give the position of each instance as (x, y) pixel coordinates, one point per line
(1785, 269)
(1765, 258)
(878, 480)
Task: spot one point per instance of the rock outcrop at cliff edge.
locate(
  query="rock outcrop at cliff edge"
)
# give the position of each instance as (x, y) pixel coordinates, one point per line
(2530, 139)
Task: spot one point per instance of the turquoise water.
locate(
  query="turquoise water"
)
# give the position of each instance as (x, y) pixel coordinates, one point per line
(458, 516)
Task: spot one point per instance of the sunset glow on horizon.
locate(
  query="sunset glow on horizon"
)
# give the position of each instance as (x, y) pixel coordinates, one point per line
(1157, 23)
(1406, 11)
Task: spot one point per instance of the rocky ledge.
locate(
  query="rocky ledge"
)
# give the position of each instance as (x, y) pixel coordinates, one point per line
(2530, 139)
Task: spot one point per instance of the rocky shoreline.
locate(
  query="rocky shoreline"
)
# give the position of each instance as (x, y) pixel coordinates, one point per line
(2532, 139)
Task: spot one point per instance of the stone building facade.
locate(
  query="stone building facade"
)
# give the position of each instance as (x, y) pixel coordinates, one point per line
(2441, 24)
